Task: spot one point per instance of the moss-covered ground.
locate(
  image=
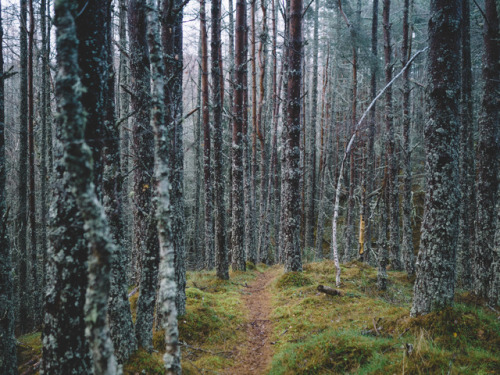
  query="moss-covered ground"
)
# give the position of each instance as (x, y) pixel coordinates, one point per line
(364, 331)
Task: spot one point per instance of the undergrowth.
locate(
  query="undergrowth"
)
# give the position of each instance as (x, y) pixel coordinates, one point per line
(364, 331)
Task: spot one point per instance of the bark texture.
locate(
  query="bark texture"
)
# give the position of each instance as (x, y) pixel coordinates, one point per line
(291, 179)
(434, 286)
(485, 254)
(167, 295)
(238, 224)
(8, 360)
(145, 231)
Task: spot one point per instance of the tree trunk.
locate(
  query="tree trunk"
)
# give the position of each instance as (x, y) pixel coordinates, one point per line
(467, 168)
(221, 261)
(393, 168)
(238, 224)
(145, 231)
(167, 296)
(172, 48)
(291, 178)
(434, 286)
(485, 255)
(8, 360)
(311, 180)
(408, 257)
(207, 165)
(119, 315)
(22, 221)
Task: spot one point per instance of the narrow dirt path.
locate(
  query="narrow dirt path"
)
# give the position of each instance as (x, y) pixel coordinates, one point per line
(254, 355)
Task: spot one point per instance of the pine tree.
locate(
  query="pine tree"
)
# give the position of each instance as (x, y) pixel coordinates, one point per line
(434, 286)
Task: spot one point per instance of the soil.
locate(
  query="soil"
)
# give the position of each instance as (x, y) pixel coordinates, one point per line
(253, 356)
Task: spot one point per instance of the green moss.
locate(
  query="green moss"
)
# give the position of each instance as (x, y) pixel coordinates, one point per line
(293, 279)
(250, 266)
(328, 352)
(143, 362)
(29, 347)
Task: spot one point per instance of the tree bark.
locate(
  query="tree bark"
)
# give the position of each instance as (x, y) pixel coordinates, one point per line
(207, 164)
(167, 296)
(485, 255)
(8, 360)
(238, 224)
(221, 262)
(291, 178)
(145, 231)
(407, 245)
(434, 286)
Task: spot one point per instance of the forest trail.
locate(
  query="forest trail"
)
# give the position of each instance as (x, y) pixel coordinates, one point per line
(253, 355)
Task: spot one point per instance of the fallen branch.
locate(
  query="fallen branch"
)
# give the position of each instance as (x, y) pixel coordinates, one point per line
(329, 291)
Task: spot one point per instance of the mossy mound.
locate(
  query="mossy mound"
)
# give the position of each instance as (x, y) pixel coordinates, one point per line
(293, 280)
(456, 327)
(250, 266)
(329, 352)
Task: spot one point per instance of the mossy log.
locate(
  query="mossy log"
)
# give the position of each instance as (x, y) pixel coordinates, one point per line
(329, 291)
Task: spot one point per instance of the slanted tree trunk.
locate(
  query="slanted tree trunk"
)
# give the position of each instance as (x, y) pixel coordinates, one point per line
(485, 255)
(221, 261)
(167, 297)
(8, 360)
(238, 218)
(145, 231)
(291, 178)
(408, 257)
(434, 286)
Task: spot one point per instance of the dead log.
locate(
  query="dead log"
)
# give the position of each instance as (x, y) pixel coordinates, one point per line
(329, 291)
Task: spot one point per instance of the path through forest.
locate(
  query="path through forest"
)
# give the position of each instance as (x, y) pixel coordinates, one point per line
(253, 355)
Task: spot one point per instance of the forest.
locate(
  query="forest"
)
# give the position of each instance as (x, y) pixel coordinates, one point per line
(249, 187)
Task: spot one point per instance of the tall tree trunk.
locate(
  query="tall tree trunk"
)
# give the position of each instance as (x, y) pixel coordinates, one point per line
(119, 315)
(238, 224)
(207, 165)
(370, 152)
(43, 159)
(467, 167)
(221, 261)
(168, 296)
(171, 29)
(311, 180)
(88, 113)
(392, 172)
(8, 360)
(145, 231)
(408, 257)
(485, 255)
(35, 285)
(434, 286)
(22, 221)
(291, 178)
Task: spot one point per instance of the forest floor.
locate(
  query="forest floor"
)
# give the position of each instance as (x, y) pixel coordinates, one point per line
(264, 321)
(254, 355)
